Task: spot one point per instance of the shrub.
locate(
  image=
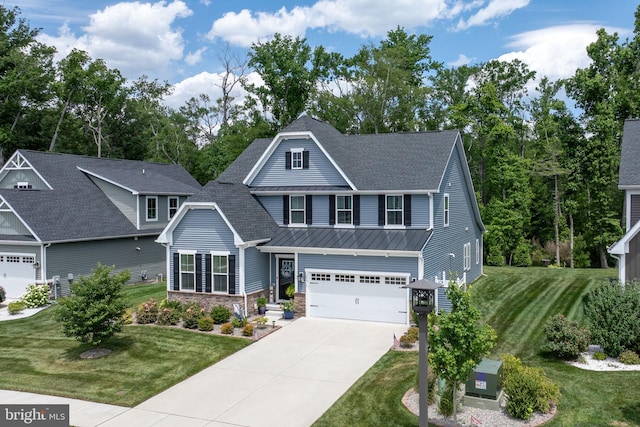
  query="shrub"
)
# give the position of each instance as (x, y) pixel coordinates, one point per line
(238, 323)
(413, 333)
(93, 312)
(36, 296)
(612, 311)
(168, 316)
(565, 338)
(446, 401)
(629, 357)
(528, 389)
(226, 328)
(522, 255)
(15, 307)
(191, 313)
(406, 341)
(220, 314)
(3, 294)
(247, 331)
(171, 304)
(147, 312)
(261, 322)
(127, 317)
(598, 355)
(205, 323)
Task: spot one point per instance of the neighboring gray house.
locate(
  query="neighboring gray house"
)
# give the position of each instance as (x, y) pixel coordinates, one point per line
(627, 249)
(349, 220)
(61, 214)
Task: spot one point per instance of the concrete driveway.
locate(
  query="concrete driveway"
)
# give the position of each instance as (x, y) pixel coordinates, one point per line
(289, 378)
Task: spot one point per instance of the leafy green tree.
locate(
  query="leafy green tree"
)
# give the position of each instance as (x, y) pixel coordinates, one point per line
(93, 312)
(458, 342)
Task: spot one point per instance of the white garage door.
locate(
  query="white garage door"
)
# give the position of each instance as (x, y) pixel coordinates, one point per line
(16, 272)
(376, 297)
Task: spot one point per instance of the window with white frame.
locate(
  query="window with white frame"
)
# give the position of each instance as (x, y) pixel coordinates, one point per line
(296, 210)
(174, 203)
(477, 251)
(220, 272)
(297, 158)
(395, 280)
(467, 256)
(187, 271)
(395, 214)
(152, 208)
(446, 210)
(344, 210)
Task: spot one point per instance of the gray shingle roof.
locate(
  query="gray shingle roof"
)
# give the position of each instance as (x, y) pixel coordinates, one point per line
(629, 154)
(247, 216)
(380, 162)
(352, 239)
(75, 209)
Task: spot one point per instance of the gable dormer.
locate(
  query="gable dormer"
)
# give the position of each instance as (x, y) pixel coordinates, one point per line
(19, 174)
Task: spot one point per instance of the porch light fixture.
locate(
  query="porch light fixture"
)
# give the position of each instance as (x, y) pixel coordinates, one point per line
(300, 277)
(36, 264)
(423, 301)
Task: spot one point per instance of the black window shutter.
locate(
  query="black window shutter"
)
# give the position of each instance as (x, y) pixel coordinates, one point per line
(285, 209)
(407, 210)
(305, 160)
(332, 209)
(356, 209)
(207, 273)
(287, 159)
(198, 272)
(232, 274)
(308, 201)
(381, 210)
(176, 271)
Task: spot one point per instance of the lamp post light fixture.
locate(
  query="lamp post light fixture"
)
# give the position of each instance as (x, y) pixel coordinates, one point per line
(423, 301)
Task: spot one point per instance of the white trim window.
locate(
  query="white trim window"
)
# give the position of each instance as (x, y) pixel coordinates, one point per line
(445, 212)
(187, 271)
(467, 256)
(395, 210)
(477, 251)
(220, 272)
(297, 158)
(174, 204)
(297, 209)
(152, 208)
(344, 210)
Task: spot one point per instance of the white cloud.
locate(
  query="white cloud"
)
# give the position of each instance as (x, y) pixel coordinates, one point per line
(555, 52)
(462, 60)
(495, 9)
(361, 17)
(136, 38)
(193, 58)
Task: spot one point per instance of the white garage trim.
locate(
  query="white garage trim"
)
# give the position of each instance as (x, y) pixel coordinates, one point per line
(358, 295)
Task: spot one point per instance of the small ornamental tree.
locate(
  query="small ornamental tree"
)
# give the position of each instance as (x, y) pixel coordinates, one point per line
(457, 342)
(94, 310)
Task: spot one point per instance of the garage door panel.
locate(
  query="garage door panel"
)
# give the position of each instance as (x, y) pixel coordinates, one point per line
(16, 272)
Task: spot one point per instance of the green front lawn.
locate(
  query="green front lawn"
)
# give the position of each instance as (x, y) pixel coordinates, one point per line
(516, 303)
(36, 357)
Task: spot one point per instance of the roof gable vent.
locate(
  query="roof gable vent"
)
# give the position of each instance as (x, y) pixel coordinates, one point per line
(23, 185)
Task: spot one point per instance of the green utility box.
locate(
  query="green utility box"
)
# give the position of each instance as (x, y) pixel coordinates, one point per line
(486, 380)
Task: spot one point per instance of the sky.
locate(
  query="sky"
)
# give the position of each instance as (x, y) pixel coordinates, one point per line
(183, 41)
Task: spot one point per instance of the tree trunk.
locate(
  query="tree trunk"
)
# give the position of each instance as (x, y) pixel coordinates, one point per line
(571, 241)
(603, 258)
(556, 212)
(455, 403)
(52, 146)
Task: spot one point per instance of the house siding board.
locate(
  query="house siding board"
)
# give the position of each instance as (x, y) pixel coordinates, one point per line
(80, 258)
(203, 230)
(320, 171)
(420, 210)
(632, 259)
(359, 263)
(463, 228)
(256, 270)
(10, 224)
(635, 209)
(273, 205)
(369, 211)
(123, 199)
(162, 208)
(12, 177)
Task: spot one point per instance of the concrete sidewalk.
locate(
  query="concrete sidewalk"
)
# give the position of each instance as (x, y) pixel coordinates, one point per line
(289, 378)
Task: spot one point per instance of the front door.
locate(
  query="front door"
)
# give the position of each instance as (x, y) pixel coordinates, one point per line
(286, 276)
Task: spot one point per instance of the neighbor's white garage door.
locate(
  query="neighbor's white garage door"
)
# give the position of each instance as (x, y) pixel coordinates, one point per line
(16, 272)
(376, 297)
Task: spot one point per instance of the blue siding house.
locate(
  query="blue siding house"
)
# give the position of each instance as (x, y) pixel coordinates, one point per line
(348, 220)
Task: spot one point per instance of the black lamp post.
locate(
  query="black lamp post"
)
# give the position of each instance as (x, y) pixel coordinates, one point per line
(423, 301)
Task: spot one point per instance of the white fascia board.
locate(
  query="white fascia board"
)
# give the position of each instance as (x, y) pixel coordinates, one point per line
(4, 201)
(621, 247)
(398, 191)
(334, 251)
(102, 178)
(12, 160)
(286, 136)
